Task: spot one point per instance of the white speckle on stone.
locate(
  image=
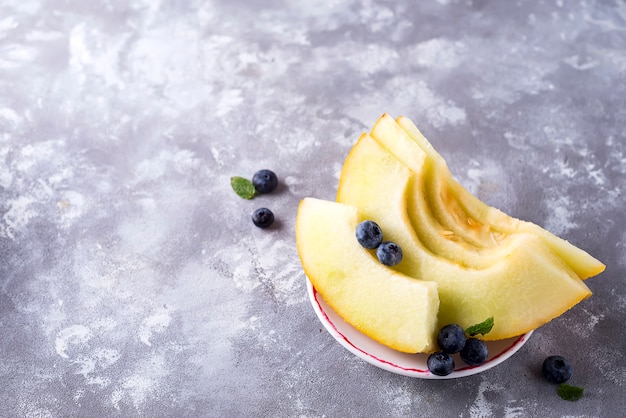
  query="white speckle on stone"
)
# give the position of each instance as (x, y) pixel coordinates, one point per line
(438, 111)
(16, 56)
(9, 118)
(481, 407)
(138, 386)
(142, 383)
(73, 335)
(154, 323)
(515, 412)
(6, 176)
(559, 220)
(6, 25)
(565, 170)
(72, 206)
(37, 35)
(611, 362)
(516, 141)
(18, 216)
(286, 278)
(590, 323)
(293, 184)
(79, 53)
(116, 397)
(437, 53)
(376, 17)
(228, 101)
(165, 163)
(378, 57)
(595, 174)
(399, 399)
(575, 62)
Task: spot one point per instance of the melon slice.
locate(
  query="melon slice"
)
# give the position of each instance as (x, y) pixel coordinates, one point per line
(464, 261)
(469, 212)
(476, 250)
(524, 288)
(389, 307)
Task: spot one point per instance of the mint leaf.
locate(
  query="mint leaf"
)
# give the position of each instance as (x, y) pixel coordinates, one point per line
(243, 187)
(482, 328)
(569, 392)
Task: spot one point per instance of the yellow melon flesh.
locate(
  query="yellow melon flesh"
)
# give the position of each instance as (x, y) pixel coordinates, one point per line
(446, 192)
(389, 307)
(477, 251)
(445, 210)
(525, 288)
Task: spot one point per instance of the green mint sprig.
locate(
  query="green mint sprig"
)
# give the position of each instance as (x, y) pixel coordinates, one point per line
(482, 328)
(569, 392)
(243, 187)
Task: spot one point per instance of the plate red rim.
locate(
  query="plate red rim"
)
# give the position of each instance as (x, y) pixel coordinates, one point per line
(339, 330)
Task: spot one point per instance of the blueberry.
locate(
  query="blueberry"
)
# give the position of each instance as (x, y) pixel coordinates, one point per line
(451, 338)
(389, 253)
(264, 181)
(440, 363)
(557, 369)
(263, 217)
(369, 235)
(474, 352)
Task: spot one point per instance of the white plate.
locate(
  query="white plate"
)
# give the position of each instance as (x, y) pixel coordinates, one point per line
(413, 365)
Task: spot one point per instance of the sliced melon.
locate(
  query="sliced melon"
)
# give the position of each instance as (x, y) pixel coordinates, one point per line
(526, 287)
(468, 209)
(389, 307)
(476, 251)
(464, 261)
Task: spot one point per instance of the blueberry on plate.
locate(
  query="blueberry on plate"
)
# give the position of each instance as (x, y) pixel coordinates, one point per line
(263, 217)
(369, 235)
(265, 181)
(440, 363)
(474, 352)
(556, 369)
(389, 253)
(451, 338)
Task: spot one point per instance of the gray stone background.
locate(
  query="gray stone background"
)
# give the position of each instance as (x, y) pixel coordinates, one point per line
(132, 280)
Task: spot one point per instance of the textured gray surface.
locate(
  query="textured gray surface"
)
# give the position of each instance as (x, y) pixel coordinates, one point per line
(132, 280)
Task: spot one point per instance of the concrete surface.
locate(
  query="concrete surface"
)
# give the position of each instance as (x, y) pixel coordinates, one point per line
(133, 282)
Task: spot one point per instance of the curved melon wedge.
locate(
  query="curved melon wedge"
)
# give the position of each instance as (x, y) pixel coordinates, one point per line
(369, 162)
(389, 307)
(581, 262)
(478, 252)
(433, 170)
(525, 288)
